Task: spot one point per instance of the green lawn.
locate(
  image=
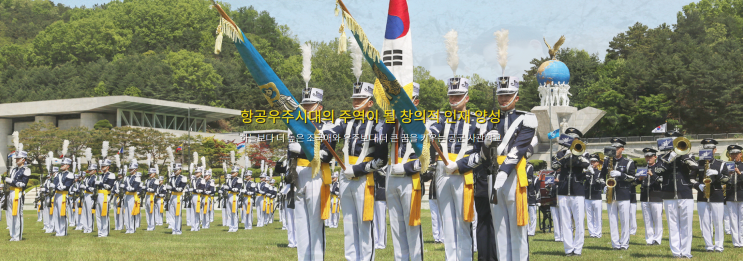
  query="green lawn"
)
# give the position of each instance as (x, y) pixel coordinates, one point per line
(269, 243)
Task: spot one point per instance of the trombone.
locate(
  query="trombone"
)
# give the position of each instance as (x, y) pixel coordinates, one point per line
(681, 146)
(578, 147)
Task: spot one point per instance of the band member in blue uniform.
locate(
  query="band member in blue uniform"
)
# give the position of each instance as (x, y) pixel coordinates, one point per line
(594, 187)
(622, 170)
(570, 193)
(676, 172)
(651, 198)
(711, 210)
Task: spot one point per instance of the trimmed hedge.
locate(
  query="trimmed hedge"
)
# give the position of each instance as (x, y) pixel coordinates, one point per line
(640, 162)
(538, 164)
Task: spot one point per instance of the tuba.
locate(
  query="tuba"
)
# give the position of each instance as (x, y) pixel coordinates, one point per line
(610, 152)
(681, 146)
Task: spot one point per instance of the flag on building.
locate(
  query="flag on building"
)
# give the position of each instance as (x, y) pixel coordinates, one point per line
(180, 147)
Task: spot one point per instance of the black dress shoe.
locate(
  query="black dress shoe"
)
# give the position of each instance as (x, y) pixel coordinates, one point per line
(569, 254)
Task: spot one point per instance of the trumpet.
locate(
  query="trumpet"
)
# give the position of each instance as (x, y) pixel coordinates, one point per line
(578, 147)
(681, 146)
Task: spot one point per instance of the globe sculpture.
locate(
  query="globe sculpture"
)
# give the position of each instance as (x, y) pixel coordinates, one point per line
(553, 72)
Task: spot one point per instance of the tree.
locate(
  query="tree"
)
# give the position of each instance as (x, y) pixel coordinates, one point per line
(132, 91)
(102, 124)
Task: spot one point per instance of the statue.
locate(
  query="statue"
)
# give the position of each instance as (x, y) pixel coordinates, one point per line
(564, 125)
(542, 95)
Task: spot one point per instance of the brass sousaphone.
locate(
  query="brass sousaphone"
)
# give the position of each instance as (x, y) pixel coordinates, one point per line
(681, 146)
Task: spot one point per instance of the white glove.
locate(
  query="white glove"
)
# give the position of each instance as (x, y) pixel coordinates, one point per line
(500, 179)
(323, 154)
(672, 156)
(701, 187)
(243, 191)
(237, 189)
(295, 147)
(43, 189)
(539, 204)
(20, 184)
(150, 190)
(660, 179)
(179, 189)
(97, 182)
(129, 188)
(62, 187)
(373, 165)
(348, 173)
(168, 187)
(398, 169)
(83, 187)
(91, 189)
(122, 185)
(199, 191)
(615, 173)
(8, 180)
(605, 188)
(106, 186)
(451, 167)
(491, 136)
(712, 172)
(602, 181)
(52, 186)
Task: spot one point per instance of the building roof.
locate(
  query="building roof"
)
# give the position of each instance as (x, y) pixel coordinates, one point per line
(109, 104)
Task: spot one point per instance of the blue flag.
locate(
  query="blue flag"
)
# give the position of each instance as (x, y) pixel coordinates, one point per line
(553, 134)
(278, 96)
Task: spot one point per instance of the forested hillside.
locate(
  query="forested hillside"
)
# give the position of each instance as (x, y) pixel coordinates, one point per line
(688, 72)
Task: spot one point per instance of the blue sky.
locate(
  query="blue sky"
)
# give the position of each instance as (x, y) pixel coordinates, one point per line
(586, 24)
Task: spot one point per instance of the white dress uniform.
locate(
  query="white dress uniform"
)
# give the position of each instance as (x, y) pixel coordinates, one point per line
(62, 183)
(335, 204)
(402, 171)
(517, 130)
(151, 208)
(247, 197)
(47, 208)
(133, 187)
(89, 188)
(356, 186)
(105, 183)
(455, 188)
(118, 205)
(261, 189)
(160, 201)
(206, 202)
(675, 170)
(176, 186)
(594, 187)
(380, 214)
(197, 184)
(16, 182)
(233, 189)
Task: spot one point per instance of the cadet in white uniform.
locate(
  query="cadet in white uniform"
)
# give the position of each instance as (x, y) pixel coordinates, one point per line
(514, 134)
(62, 183)
(176, 186)
(455, 181)
(357, 185)
(16, 181)
(711, 210)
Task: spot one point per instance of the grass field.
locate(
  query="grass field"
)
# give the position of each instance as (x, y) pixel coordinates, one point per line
(269, 243)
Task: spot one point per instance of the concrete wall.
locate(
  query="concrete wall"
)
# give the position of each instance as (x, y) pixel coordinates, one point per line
(19, 126)
(6, 129)
(68, 124)
(88, 119)
(47, 119)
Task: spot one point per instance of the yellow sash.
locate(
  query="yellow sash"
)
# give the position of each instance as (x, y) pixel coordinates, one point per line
(16, 199)
(234, 201)
(51, 207)
(152, 201)
(469, 192)
(415, 198)
(104, 206)
(265, 201)
(79, 209)
(161, 205)
(324, 189)
(522, 210)
(368, 214)
(63, 208)
(198, 203)
(206, 205)
(248, 206)
(178, 205)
